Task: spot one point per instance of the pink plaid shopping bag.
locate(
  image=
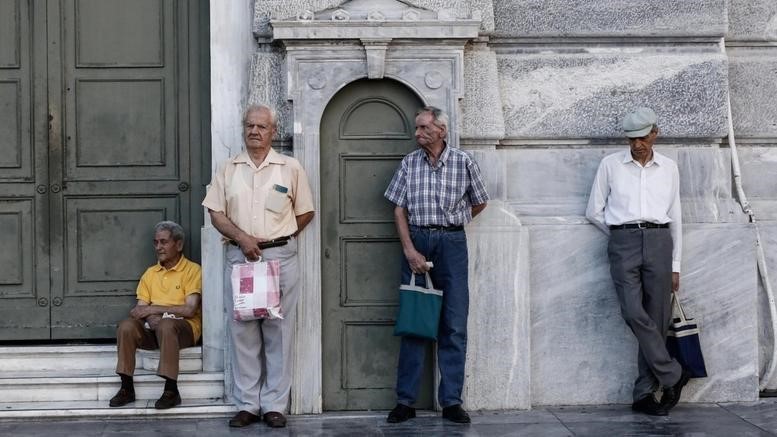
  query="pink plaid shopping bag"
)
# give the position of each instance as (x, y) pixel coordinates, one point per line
(256, 292)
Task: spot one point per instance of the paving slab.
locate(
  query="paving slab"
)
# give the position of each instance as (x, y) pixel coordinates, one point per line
(689, 420)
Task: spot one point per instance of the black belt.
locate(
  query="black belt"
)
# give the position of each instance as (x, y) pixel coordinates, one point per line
(641, 225)
(276, 242)
(443, 228)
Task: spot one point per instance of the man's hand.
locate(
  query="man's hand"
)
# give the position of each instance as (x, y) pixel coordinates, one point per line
(250, 247)
(417, 261)
(675, 281)
(140, 312)
(153, 321)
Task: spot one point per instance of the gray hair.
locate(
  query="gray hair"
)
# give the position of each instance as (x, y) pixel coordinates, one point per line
(254, 107)
(176, 231)
(439, 117)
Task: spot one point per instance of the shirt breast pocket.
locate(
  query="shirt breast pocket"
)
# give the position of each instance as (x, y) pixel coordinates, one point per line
(278, 200)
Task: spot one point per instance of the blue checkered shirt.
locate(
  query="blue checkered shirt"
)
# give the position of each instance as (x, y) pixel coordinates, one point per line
(437, 196)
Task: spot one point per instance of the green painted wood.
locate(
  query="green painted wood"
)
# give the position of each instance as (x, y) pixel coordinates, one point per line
(366, 130)
(118, 147)
(24, 220)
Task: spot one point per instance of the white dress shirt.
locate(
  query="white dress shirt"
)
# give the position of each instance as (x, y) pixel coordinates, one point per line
(626, 192)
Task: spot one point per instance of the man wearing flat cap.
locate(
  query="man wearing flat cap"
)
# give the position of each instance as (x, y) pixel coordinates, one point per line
(635, 200)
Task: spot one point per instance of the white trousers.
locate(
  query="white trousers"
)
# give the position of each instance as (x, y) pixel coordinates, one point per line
(261, 350)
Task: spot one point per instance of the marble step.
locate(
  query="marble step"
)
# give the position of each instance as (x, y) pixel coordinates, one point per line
(199, 408)
(87, 359)
(103, 387)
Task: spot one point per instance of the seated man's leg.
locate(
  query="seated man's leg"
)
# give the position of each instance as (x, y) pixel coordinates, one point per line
(171, 335)
(130, 335)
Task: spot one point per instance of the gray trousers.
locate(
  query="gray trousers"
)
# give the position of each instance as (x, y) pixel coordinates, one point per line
(641, 269)
(261, 350)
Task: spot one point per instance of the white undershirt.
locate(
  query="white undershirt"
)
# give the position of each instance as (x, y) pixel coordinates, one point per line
(626, 192)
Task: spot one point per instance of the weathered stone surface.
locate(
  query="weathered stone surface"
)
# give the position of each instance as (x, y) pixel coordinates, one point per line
(584, 96)
(268, 86)
(231, 47)
(752, 20)
(583, 353)
(768, 233)
(552, 185)
(267, 10)
(753, 82)
(758, 163)
(498, 370)
(481, 109)
(563, 18)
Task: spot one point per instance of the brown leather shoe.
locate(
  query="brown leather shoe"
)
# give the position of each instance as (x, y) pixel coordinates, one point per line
(123, 397)
(169, 399)
(243, 418)
(274, 419)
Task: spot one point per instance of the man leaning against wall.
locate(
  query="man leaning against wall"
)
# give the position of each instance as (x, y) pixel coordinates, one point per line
(635, 200)
(257, 196)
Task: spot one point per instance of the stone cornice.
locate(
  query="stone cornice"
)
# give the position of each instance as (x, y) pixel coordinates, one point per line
(335, 30)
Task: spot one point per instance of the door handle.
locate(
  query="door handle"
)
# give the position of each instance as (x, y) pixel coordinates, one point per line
(183, 186)
(55, 188)
(41, 189)
(326, 253)
(43, 302)
(57, 301)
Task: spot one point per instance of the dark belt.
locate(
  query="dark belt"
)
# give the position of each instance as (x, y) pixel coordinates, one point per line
(443, 228)
(641, 225)
(276, 242)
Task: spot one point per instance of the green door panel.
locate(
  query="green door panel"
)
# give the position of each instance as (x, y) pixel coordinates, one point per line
(100, 138)
(24, 221)
(366, 130)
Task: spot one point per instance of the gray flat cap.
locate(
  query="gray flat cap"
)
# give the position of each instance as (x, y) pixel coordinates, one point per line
(639, 122)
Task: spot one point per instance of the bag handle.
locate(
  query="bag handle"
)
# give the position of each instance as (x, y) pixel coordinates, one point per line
(429, 285)
(676, 304)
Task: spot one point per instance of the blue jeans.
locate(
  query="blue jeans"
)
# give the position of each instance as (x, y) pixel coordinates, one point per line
(448, 251)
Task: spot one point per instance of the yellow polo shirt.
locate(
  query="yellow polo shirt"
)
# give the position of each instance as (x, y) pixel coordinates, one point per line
(241, 190)
(159, 286)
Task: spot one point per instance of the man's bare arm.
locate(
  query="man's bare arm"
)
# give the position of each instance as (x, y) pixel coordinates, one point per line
(248, 243)
(188, 310)
(477, 209)
(416, 260)
(303, 220)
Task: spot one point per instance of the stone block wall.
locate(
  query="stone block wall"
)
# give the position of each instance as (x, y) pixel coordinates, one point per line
(545, 87)
(568, 71)
(751, 45)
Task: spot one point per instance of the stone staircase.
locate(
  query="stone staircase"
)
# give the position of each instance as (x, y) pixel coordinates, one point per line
(78, 381)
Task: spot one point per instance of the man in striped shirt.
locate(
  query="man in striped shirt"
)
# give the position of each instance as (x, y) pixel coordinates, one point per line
(436, 190)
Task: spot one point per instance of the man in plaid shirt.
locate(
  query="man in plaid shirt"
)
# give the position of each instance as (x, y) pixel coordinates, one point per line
(436, 190)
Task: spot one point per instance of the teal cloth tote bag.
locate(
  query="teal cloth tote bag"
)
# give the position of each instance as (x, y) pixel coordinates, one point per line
(419, 310)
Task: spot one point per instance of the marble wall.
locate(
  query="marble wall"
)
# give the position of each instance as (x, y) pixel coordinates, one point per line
(545, 86)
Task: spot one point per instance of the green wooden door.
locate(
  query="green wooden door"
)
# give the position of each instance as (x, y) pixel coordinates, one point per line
(115, 146)
(366, 130)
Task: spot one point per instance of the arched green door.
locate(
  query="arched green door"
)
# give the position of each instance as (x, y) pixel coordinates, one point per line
(365, 131)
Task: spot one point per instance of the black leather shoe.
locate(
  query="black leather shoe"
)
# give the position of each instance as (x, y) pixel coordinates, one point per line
(169, 399)
(672, 394)
(274, 419)
(400, 413)
(243, 418)
(648, 405)
(455, 413)
(123, 397)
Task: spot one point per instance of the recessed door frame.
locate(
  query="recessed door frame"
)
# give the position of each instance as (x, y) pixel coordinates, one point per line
(430, 66)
